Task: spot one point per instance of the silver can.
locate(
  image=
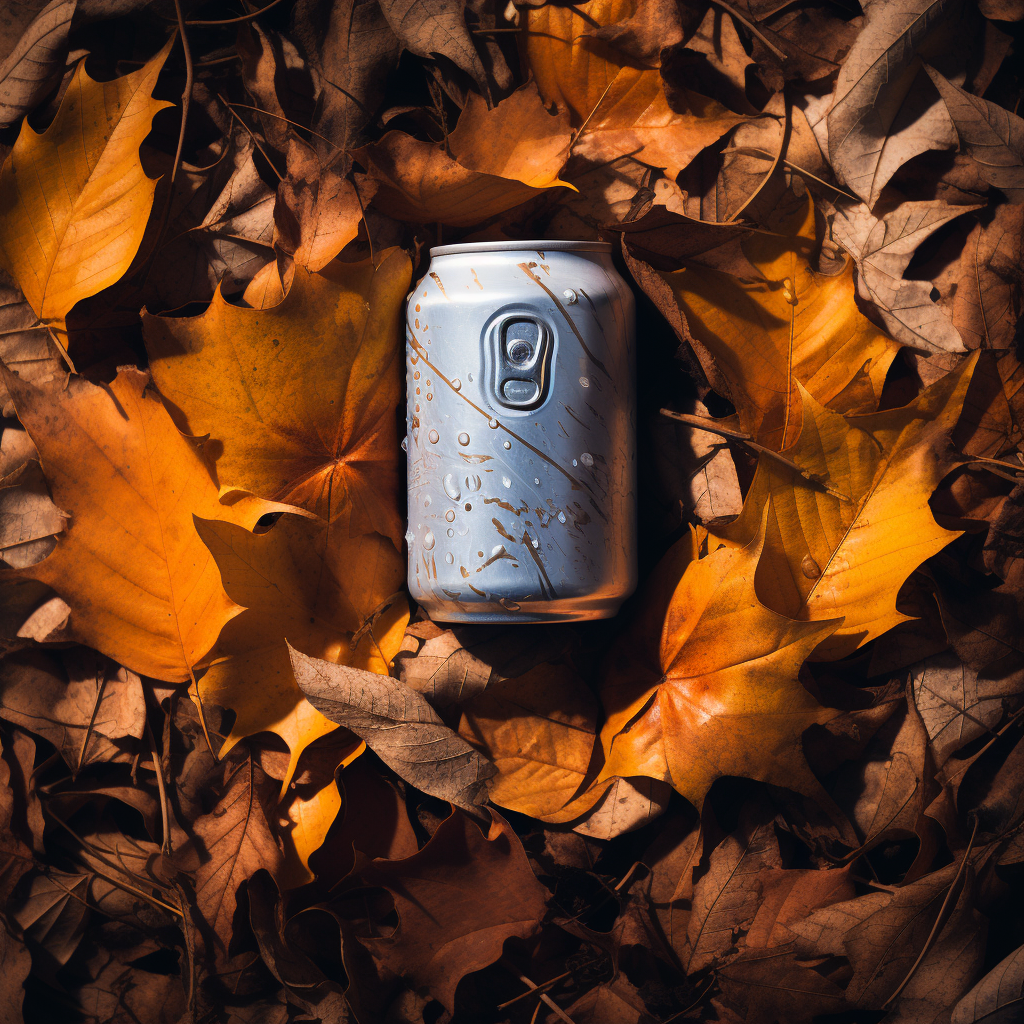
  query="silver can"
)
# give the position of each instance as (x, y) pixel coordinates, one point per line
(521, 433)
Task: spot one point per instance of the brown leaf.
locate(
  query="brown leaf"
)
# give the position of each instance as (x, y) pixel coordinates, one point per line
(15, 856)
(458, 900)
(34, 64)
(53, 912)
(399, 726)
(88, 707)
(727, 897)
(237, 842)
(29, 520)
(1004, 545)
(997, 998)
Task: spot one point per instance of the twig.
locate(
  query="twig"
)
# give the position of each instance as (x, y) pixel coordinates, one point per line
(101, 681)
(186, 96)
(252, 135)
(764, 181)
(939, 920)
(543, 985)
(709, 425)
(165, 822)
(544, 997)
(586, 120)
(243, 17)
(280, 117)
(751, 27)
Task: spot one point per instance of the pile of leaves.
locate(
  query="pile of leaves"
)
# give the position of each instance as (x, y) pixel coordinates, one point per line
(244, 780)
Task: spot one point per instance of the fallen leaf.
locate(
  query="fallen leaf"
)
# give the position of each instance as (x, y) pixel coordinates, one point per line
(432, 28)
(623, 108)
(399, 726)
(860, 539)
(957, 704)
(626, 805)
(794, 327)
(715, 710)
(89, 708)
(494, 160)
(458, 900)
(331, 448)
(729, 893)
(34, 64)
(883, 61)
(25, 345)
(991, 135)
(142, 587)
(997, 998)
(883, 249)
(53, 912)
(236, 842)
(652, 27)
(1004, 545)
(75, 199)
(325, 588)
(29, 520)
(15, 856)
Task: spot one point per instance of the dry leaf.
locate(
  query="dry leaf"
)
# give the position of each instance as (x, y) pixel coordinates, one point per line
(35, 63)
(331, 448)
(997, 998)
(142, 587)
(74, 200)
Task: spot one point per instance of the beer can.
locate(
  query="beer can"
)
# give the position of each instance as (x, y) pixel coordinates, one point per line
(521, 433)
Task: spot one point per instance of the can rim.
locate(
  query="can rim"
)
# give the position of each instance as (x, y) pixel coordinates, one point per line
(531, 244)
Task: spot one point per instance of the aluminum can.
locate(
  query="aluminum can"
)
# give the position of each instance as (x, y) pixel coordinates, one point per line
(521, 433)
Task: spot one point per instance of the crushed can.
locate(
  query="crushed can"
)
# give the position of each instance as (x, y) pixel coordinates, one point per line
(521, 435)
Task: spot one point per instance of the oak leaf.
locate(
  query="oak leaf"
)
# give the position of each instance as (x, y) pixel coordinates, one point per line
(74, 200)
(693, 708)
(458, 900)
(794, 327)
(843, 538)
(623, 108)
(305, 582)
(142, 587)
(494, 160)
(299, 398)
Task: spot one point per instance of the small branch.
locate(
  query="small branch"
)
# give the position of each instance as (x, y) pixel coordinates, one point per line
(529, 992)
(586, 121)
(703, 423)
(165, 821)
(544, 997)
(243, 17)
(751, 27)
(186, 96)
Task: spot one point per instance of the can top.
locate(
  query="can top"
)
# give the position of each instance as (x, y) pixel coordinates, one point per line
(533, 244)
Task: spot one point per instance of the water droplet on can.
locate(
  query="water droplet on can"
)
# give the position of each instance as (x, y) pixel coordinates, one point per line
(571, 298)
(428, 540)
(462, 529)
(536, 481)
(408, 537)
(463, 439)
(405, 443)
(492, 423)
(469, 377)
(587, 459)
(449, 557)
(507, 445)
(498, 549)
(584, 382)
(456, 384)
(561, 517)
(451, 487)
(450, 515)
(416, 375)
(473, 482)
(574, 462)
(426, 501)
(506, 481)
(451, 532)
(535, 542)
(433, 437)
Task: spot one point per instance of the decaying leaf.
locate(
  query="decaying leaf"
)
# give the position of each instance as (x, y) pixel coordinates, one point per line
(399, 726)
(74, 200)
(997, 998)
(33, 65)
(330, 448)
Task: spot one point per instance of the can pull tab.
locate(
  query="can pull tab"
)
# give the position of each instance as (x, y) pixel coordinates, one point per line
(522, 361)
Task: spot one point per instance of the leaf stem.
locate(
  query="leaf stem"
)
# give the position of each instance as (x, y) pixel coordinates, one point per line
(161, 786)
(751, 27)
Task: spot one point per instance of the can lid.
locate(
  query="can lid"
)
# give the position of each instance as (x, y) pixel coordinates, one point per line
(531, 244)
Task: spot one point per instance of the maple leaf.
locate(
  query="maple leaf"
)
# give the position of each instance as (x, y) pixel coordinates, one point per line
(74, 200)
(494, 160)
(142, 587)
(308, 583)
(795, 327)
(845, 549)
(623, 108)
(299, 398)
(697, 708)
(455, 914)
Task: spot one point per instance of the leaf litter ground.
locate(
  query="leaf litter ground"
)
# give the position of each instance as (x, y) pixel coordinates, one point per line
(244, 779)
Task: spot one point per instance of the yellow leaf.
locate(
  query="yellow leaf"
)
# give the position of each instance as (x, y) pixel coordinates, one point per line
(74, 200)
(308, 583)
(827, 556)
(495, 159)
(299, 398)
(539, 730)
(795, 327)
(720, 695)
(623, 108)
(142, 586)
